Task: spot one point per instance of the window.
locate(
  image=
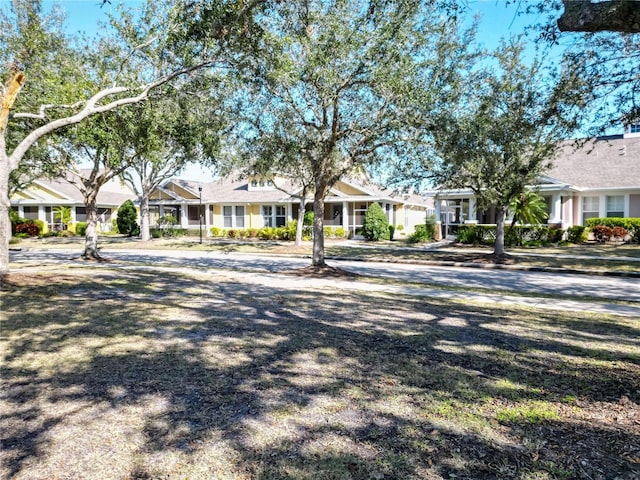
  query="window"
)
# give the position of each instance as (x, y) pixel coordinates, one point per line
(254, 183)
(240, 216)
(233, 217)
(81, 214)
(267, 215)
(634, 128)
(615, 206)
(274, 217)
(590, 208)
(227, 213)
(281, 216)
(31, 213)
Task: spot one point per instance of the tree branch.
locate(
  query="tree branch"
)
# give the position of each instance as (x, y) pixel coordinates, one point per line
(91, 108)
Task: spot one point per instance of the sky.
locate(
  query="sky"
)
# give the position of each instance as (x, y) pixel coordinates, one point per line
(497, 21)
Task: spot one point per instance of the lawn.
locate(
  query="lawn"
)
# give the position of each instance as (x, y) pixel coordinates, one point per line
(114, 374)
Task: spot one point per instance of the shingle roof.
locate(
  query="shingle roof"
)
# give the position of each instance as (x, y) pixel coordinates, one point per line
(109, 194)
(603, 163)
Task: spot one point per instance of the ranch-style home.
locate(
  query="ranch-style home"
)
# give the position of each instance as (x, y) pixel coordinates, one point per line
(256, 202)
(41, 199)
(600, 179)
(227, 204)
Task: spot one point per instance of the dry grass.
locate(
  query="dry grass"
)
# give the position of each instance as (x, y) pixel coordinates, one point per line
(129, 375)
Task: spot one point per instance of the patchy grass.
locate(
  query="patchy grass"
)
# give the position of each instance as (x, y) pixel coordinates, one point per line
(143, 375)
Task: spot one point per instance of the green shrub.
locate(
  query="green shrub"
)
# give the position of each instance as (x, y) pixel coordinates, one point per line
(431, 226)
(81, 228)
(167, 221)
(555, 234)
(127, 219)
(308, 218)
(328, 232)
(602, 233)
(267, 233)
(14, 216)
(419, 235)
(155, 232)
(536, 235)
(252, 232)
(339, 232)
(215, 231)
(375, 224)
(392, 230)
(479, 234)
(577, 234)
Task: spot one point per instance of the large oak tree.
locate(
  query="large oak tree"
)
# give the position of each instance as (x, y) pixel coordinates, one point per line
(505, 132)
(333, 83)
(63, 86)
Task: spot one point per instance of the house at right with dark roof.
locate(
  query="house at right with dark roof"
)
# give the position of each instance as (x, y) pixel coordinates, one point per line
(599, 179)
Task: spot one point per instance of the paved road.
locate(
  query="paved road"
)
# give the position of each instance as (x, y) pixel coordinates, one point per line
(600, 287)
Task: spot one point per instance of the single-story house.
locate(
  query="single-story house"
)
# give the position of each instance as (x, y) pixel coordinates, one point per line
(40, 199)
(256, 202)
(599, 179)
(226, 203)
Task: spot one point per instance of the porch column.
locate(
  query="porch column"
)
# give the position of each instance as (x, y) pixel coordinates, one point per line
(555, 215)
(184, 216)
(345, 216)
(438, 232)
(20, 211)
(473, 215)
(205, 214)
(41, 215)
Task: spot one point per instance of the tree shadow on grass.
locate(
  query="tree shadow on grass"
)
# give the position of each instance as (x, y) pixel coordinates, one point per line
(165, 375)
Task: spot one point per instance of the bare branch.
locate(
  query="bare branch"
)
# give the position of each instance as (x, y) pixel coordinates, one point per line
(91, 108)
(41, 115)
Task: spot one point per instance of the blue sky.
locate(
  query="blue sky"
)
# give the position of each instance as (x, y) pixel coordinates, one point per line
(497, 21)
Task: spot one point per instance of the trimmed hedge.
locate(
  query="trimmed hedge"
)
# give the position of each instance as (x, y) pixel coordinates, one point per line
(519, 235)
(631, 225)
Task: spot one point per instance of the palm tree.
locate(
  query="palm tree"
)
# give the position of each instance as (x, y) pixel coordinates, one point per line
(528, 208)
(63, 214)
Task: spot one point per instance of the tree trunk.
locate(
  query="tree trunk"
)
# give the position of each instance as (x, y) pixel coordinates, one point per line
(300, 224)
(91, 235)
(501, 212)
(5, 222)
(144, 216)
(7, 164)
(318, 227)
(614, 16)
